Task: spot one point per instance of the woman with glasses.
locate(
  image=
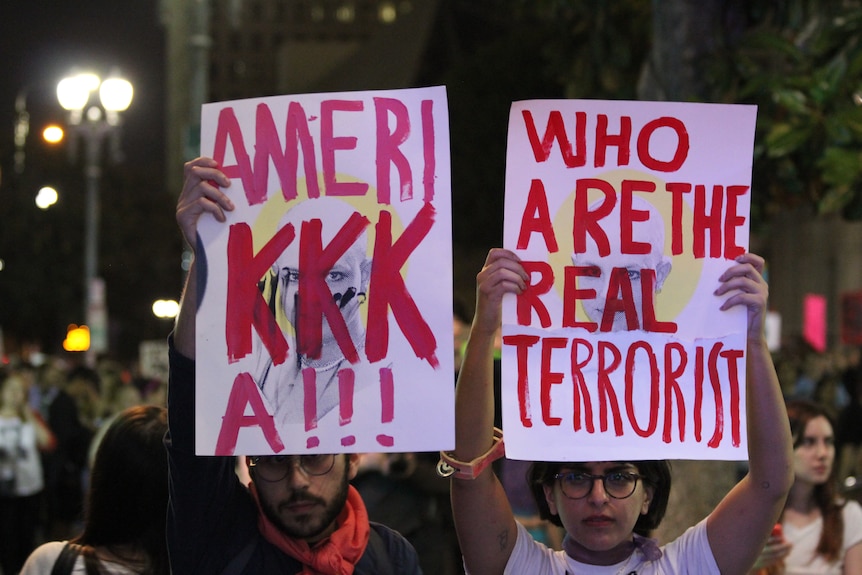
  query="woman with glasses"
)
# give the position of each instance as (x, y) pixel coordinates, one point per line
(608, 507)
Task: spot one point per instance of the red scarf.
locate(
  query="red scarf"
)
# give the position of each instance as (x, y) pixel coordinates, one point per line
(335, 555)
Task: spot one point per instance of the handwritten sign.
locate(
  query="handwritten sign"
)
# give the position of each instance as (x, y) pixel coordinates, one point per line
(320, 326)
(625, 214)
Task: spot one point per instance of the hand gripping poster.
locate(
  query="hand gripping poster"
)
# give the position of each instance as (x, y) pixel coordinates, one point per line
(321, 326)
(625, 214)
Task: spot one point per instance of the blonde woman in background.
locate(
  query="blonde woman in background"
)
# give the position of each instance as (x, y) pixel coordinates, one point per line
(23, 434)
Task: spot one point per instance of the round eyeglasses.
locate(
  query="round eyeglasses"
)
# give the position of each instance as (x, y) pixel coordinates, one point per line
(617, 484)
(277, 467)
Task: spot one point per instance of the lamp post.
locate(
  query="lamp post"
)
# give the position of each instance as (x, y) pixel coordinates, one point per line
(94, 124)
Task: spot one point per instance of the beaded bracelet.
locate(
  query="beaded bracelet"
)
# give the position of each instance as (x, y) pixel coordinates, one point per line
(449, 466)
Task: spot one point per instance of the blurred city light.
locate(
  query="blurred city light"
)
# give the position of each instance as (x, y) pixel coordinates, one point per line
(53, 134)
(387, 13)
(77, 338)
(345, 13)
(166, 308)
(116, 94)
(46, 197)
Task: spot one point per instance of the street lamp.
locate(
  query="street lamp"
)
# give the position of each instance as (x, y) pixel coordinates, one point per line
(166, 308)
(94, 123)
(46, 197)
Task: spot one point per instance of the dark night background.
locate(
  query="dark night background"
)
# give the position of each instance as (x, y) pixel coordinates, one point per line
(40, 43)
(483, 60)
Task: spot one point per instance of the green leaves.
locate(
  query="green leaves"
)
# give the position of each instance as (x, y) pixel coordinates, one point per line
(784, 139)
(803, 68)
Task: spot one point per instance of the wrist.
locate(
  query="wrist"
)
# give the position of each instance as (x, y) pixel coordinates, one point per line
(449, 466)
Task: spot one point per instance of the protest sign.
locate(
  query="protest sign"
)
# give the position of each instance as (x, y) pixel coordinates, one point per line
(321, 324)
(625, 214)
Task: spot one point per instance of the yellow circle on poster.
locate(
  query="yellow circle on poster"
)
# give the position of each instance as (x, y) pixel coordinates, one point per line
(276, 207)
(685, 272)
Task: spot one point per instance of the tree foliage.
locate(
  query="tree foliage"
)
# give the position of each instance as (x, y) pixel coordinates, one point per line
(594, 48)
(490, 53)
(800, 62)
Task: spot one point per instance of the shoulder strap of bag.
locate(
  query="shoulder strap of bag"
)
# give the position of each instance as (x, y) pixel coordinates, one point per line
(379, 552)
(69, 555)
(238, 563)
(91, 562)
(65, 560)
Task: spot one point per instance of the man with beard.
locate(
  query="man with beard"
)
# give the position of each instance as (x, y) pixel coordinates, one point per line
(299, 514)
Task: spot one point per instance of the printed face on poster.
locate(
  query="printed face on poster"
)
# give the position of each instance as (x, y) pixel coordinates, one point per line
(625, 214)
(318, 328)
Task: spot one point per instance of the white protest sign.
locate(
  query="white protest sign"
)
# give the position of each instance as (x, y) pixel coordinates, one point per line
(625, 214)
(320, 325)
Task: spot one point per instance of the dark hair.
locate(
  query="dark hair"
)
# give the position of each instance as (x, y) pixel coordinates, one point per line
(85, 374)
(656, 474)
(800, 413)
(128, 495)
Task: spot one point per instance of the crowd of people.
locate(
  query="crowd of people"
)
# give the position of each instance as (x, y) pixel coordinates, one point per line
(52, 418)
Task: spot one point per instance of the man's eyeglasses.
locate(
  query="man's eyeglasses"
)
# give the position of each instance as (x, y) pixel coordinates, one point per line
(617, 484)
(277, 467)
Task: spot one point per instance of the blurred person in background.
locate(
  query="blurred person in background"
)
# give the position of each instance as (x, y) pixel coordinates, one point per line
(116, 391)
(84, 385)
(23, 434)
(126, 504)
(123, 397)
(64, 466)
(404, 492)
(820, 533)
(848, 429)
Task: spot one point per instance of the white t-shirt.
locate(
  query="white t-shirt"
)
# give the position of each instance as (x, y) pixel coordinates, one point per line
(41, 561)
(690, 553)
(19, 456)
(805, 540)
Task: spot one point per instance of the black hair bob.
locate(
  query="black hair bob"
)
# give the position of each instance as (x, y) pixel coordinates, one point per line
(655, 473)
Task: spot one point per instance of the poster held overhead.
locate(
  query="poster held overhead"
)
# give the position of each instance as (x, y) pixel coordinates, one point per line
(625, 214)
(319, 328)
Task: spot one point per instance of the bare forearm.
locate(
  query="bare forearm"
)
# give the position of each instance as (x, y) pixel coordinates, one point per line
(740, 525)
(483, 518)
(474, 399)
(769, 439)
(484, 522)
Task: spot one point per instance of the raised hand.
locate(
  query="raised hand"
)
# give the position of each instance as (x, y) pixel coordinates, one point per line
(502, 274)
(201, 194)
(745, 285)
